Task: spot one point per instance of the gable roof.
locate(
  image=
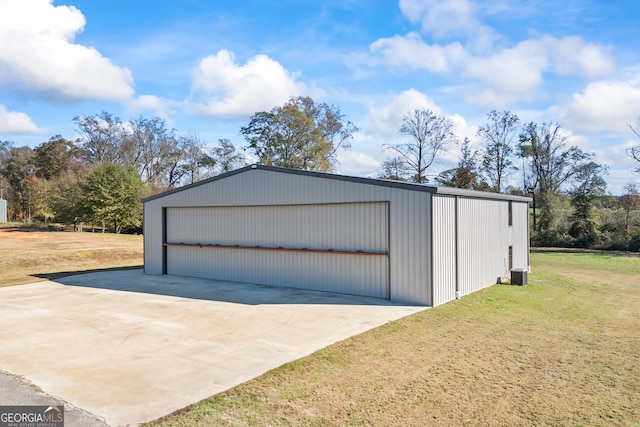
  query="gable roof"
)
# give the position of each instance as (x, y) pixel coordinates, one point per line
(370, 181)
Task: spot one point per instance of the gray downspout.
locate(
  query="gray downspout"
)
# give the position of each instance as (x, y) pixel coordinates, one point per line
(457, 242)
(432, 275)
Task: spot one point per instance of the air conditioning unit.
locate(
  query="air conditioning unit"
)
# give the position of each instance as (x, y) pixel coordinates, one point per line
(519, 276)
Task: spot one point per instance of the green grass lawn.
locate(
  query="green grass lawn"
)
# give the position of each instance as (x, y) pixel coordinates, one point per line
(564, 350)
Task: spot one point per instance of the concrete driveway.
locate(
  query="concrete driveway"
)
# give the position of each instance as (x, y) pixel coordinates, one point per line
(131, 348)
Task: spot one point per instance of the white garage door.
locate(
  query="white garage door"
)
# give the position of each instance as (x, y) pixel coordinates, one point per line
(332, 247)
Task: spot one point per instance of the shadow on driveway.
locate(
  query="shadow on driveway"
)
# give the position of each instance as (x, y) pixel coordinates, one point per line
(134, 280)
(61, 274)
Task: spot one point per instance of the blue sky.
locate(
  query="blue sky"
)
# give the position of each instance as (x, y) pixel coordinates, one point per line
(207, 66)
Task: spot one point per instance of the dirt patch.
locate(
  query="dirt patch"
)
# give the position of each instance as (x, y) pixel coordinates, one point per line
(30, 256)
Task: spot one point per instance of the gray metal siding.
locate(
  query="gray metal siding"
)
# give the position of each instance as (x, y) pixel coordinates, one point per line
(483, 243)
(345, 226)
(444, 248)
(340, 227)
(351, 274)
(152, 231)
(409, 212)
(520, 237)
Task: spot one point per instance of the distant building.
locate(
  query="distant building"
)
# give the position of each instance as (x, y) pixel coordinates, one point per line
(3, 210)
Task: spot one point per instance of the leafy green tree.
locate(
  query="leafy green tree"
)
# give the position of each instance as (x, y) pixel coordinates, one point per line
(300, 134)
(466, 175)
(427, 134)
(17, 166)
(499, 134)
(67, 197)
(41, 196)
(111, 196)
(589, 185)
(56, 156)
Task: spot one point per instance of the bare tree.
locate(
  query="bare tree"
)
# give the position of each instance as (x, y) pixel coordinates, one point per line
(100, 137)
(428, 133)
(499, 133)
(634, 152)
(551, 163)
(155, 150)
(630, 201)
(192, 162)
(223, 158)
(466, 175)
(393, 168)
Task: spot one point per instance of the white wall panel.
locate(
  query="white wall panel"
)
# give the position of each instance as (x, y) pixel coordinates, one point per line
(520, 235)
(483, 242)
(444, 248)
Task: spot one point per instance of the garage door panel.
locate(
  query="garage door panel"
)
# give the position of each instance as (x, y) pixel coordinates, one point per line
(350, 226)
(365, 275)
(346, 227)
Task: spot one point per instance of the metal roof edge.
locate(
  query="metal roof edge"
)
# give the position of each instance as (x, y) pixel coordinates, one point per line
(371, 181)
(463, 192)
(198, 183)
(359, 179)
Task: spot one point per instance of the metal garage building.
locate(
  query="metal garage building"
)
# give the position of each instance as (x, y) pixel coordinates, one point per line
(406, 242)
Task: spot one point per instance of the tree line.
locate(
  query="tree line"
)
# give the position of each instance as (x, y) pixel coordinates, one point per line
(100, 177)
(570, 207)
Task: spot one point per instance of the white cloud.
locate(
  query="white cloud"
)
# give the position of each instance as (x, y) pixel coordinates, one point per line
(491, 75)
(160, 106)
(603, 106)
(452, 17)
(385, 118)
(571, 55)
(14, 122)
(223, 88)
(37, 52)
(411, 50)
(510, 74)
(517, 73)
(356, 163)
(463, 130)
